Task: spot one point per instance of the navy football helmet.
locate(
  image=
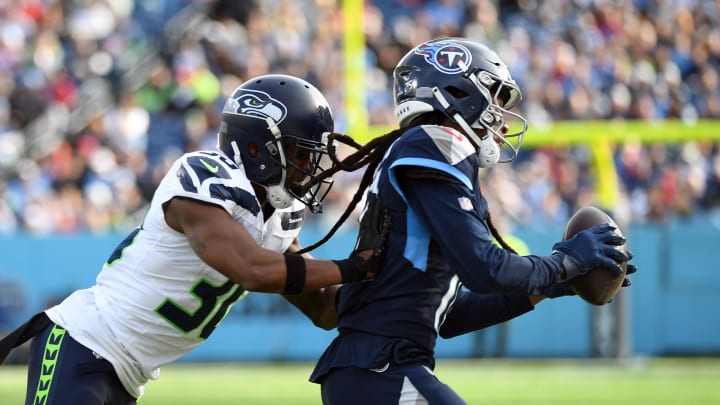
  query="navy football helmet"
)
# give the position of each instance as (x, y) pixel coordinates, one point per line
(470, 84)
(272, 123)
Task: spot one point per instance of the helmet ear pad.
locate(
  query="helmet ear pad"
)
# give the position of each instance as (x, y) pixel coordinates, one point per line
(261, 165)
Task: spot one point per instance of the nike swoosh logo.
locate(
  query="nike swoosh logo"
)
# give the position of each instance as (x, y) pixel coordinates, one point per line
(213, 169)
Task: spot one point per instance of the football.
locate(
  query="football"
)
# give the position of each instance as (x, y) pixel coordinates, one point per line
(598, 286)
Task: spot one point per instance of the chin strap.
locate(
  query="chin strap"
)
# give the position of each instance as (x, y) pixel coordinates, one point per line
(277, 195)
(489, 152)
(236, 153)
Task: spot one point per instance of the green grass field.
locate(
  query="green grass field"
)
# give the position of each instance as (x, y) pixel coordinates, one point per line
(637, 381)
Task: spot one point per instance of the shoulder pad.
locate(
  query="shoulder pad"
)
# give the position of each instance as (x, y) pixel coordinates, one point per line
(209, 164)
(212, 177)
(438, 148)
(452, 144)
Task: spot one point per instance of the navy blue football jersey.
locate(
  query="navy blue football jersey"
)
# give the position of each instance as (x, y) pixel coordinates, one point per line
(438, 246)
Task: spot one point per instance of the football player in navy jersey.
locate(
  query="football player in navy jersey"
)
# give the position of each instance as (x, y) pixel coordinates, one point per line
(220, 224)
(442, 275)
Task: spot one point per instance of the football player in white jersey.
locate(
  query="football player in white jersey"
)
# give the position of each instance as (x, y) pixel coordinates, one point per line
(220, 224)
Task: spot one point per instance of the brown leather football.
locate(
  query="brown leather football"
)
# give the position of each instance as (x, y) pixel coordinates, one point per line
(598, 286)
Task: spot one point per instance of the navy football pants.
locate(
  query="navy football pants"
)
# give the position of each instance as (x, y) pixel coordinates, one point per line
(61, 372)
(395, 385)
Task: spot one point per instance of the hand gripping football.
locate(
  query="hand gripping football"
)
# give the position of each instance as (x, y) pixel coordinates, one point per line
(598, 286)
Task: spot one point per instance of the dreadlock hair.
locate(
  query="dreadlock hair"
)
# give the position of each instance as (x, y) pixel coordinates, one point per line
(371, 154)
(495, 234)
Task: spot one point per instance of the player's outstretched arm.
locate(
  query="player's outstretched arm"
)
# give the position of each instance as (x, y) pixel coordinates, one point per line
(318, 305)
(226, 246)
(483, 266)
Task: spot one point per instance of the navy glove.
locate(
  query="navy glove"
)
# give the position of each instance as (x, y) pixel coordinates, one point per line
(590, 248)
(631, 268)
(563, 289)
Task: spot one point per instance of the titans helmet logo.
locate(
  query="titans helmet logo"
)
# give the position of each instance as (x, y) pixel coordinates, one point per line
(445, 55)
(257, 104)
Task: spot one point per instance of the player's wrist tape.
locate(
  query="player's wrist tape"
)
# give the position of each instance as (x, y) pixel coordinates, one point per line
(295, 276)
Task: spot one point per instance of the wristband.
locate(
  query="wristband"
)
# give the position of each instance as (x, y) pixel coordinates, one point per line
(295, 274)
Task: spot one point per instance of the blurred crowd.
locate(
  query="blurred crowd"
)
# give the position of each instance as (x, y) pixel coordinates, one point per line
(98, 97)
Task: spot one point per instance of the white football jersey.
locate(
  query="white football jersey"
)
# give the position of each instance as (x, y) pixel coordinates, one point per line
(154, 299)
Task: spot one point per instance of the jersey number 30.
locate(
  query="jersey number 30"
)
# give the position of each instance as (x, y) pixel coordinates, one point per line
(208, 295)
(209, 314)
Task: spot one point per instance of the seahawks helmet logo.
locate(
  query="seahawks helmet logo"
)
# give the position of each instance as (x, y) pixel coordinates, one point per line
(256, 104)
(445, 56)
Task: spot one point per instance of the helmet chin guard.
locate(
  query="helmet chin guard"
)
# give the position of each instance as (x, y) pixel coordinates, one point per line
(489, 152)
(278, 197)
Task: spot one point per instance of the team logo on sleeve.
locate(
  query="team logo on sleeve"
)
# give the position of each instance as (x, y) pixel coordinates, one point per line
(445, 56)
(257, 104)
